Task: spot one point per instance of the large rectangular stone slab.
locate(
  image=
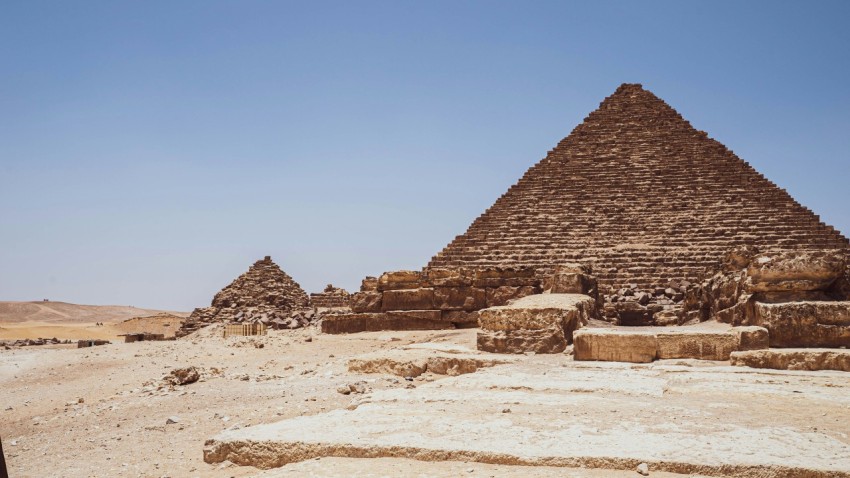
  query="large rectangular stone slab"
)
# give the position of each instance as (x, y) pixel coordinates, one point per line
(615, 345)
(806, 323)
(408, 299)
(794, 359)
(708, 345)
(374, 322)
(542, 323)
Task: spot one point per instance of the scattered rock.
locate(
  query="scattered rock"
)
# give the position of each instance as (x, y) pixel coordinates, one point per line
(643, 469)
(172, 420)
(183, 376)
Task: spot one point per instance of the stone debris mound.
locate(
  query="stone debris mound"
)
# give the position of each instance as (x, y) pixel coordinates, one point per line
(264, 293)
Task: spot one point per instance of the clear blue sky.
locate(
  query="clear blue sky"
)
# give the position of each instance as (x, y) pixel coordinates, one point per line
(151, 151)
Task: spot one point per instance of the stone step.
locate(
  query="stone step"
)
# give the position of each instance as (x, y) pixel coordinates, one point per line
(794, 359)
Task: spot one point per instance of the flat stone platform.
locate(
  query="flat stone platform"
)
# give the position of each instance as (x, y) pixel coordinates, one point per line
(706, 341)
(692, 418)
(415, 359)
(795, 359)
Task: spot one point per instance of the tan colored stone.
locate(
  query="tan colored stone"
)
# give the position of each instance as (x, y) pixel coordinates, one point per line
(708, 345)
(408, 299)
(366, 302)
(505, 276)
(369, 284)
(795, 270)
(806, 324)
(459, 298)
(496, 296)
(752, 338)
(396, 280)
(542, 323)
(448, 277)
(615, 345)
(373, 322)
(794, 359)
(461, 319)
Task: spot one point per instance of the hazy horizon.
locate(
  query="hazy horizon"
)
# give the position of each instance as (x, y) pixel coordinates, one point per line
(151, 152)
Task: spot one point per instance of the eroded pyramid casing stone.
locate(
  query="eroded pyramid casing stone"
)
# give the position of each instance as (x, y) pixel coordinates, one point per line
(542, 323)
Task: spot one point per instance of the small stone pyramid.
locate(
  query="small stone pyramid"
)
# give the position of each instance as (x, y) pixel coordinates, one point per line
(643, 197)
(263, 293)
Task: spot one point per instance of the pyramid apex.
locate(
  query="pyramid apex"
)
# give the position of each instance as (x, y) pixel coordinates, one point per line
(629, 87)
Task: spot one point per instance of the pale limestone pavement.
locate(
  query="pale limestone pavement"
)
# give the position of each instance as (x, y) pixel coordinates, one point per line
(547, 410)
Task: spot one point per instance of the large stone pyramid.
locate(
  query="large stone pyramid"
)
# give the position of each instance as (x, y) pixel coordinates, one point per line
(642, 196)
(264, 293)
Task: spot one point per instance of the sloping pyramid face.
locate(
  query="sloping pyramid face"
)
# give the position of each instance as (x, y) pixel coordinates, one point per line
(641, 195)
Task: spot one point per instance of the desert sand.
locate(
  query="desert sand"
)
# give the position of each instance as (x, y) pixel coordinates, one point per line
(104, 411)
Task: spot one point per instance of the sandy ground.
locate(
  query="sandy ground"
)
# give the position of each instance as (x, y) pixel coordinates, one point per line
(102, 411)
(67, 313)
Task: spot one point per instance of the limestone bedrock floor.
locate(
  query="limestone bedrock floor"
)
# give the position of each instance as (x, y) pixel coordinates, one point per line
(706, 411)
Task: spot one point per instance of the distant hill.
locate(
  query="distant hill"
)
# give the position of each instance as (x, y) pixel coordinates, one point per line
(65, 313)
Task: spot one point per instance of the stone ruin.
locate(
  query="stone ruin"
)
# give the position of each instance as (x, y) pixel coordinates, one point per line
(652, 206)
(802, 298)
(444, 298)
(645, 199)
(265, 293)
(331, 297)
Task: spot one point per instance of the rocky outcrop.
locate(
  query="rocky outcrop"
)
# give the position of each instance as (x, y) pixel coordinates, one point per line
(264, 293)
(542, 323)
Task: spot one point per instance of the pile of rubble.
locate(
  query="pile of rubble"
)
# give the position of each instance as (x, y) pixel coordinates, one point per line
(635, 306)
(264, 293)
(30, 342)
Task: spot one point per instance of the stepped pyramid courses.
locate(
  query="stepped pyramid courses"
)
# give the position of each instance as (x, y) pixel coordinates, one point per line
(264, 293)
(639, 194)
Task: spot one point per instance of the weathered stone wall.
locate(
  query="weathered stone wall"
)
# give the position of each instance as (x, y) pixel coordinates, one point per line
(643, 197)
(331, 297)
(448, 297)
(798, 296)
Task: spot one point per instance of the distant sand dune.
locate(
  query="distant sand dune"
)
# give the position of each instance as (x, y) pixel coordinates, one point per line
(65, 313)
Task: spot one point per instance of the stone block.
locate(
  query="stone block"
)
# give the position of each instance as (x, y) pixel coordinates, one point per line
(496, 296)
(396, 280)
(542, 323)
(373, 322)
(459, 298)
(700, 345)
(805, 324)
(795, 270)
(408, 299)
(461, 319)
(505, 276)
(369, 284)
(794, 359)
(542, 341)
(752, 338)
(448, 277)
(366, 302)
(615, 345)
